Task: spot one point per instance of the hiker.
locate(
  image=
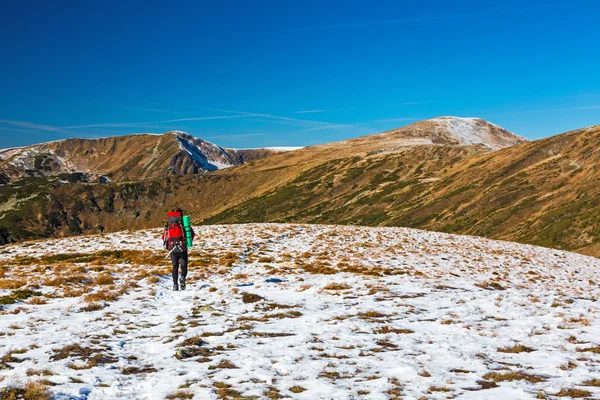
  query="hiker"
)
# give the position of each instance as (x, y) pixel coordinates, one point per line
(174, 240)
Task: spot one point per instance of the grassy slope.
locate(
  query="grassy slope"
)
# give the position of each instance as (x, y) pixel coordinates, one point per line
(544, 192)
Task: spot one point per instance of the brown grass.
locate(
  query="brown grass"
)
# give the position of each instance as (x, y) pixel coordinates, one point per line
(104, 279)
(513, 376)
(573, 393)
(224, 391)
(516, 349)
(101, 295)
(337, 286)
(180, 394)
(31, 391)
(138, 370)
(251, 297)
(371, 314)
(223, 364)
(595, 350)
(297, 389)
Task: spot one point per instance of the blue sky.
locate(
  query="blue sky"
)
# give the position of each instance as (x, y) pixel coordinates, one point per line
(272, 73)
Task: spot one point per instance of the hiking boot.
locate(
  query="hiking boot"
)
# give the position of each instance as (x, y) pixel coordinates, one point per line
(182, 284)
(175, 287)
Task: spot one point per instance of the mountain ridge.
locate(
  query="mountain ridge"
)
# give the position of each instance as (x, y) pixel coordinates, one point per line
(129, 157)
(543, 192)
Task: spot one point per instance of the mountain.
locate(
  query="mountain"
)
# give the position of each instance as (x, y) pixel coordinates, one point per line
(544, 192)
(459, 131)
(275, 311)
(425, 176)
(123, 158)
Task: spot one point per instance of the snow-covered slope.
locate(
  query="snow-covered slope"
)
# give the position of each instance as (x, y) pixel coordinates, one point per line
(468, 131)
(297, 311)
(460, 131)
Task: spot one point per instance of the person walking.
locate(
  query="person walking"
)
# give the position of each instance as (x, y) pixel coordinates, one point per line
(175, 241)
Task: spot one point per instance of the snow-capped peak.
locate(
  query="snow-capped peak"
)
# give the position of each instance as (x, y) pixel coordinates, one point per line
(467, 131)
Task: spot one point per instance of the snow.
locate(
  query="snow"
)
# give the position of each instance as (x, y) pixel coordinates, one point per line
(205, 154)
(415, 313)
(469, 131)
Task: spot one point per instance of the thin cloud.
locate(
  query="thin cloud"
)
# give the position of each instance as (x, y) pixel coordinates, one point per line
(141, 124)
(310, 111)
(31, 125)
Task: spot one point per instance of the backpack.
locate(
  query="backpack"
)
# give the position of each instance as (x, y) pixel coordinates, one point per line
(175, 238)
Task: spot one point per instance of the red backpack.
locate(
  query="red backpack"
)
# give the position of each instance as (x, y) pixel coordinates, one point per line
(175, 238)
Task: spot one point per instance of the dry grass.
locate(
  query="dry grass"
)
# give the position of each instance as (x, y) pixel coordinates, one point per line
(224, 391)
(573, 393)
(372, 315)
(36, 372)
(223, 364)
(490, 285)
(595, 350)
(138, 370)
(31, 391)
(18, 295)
(513, 376)
(297, 389)
(337, 286)
(180, 394)
(387, 329)
(101, 295)
(251, 298)
(516, 349)
(433, 389)
(104, 279)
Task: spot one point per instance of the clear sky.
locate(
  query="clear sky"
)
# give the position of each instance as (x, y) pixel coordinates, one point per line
(272, 73)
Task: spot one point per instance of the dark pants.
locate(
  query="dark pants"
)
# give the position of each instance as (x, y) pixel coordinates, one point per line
(179, 260)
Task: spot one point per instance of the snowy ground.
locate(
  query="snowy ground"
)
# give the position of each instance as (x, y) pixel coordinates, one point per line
(343, 313)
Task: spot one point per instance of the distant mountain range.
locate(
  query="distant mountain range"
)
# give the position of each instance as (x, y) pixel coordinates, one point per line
(123, 158)
(461, 175)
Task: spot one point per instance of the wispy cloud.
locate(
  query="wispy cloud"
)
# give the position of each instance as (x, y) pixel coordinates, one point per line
(142, 124)
(310, 111)
(31, 125)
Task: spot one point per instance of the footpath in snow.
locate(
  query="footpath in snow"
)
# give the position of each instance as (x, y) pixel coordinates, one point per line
(299, 311)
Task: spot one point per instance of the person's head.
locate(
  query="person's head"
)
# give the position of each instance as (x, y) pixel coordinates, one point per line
(178, 210)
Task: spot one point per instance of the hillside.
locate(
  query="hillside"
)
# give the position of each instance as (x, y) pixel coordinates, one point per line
(543, 192)
(303, 312)
(122, 158)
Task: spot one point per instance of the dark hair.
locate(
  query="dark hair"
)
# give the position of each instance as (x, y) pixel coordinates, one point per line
(178, 210)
